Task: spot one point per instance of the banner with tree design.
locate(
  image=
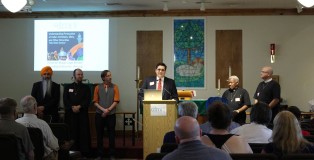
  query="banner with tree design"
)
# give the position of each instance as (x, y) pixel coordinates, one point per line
(189, 65)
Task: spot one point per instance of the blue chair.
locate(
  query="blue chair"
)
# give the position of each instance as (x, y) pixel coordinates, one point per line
(211, 100)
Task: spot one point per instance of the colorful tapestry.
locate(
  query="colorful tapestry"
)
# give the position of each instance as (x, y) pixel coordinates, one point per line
(189, 53)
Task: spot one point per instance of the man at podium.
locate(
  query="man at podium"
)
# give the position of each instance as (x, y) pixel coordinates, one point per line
(160, 82)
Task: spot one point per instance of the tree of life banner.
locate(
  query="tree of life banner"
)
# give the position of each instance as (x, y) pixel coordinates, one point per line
(189, 53)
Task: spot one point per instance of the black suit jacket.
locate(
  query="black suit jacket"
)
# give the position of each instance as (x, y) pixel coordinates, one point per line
(50, 102)
(169, 88)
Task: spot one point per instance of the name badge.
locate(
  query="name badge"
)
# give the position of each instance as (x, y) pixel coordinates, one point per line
(151, 83)
(237, 99)
(71, 90)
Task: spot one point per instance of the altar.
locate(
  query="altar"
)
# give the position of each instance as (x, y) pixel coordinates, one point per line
(202, 109)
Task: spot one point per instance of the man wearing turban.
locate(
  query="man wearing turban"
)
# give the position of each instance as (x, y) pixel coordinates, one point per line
(47, 94)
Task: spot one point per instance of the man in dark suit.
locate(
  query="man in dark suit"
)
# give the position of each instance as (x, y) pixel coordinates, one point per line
(160, 82)
(76, 100)
(268, 91)
(47, 94)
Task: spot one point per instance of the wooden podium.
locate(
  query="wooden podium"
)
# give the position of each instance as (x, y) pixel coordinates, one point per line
(159, 117)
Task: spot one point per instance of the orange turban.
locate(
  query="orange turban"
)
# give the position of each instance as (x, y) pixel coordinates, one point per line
(46, 69)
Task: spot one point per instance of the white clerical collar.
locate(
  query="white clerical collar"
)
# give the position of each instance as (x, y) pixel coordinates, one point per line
(268, 80)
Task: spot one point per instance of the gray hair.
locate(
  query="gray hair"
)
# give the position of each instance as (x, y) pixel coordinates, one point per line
(234, 78)
(28, 103)
(188, 109)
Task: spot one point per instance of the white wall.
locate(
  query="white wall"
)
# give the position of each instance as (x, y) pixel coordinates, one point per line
(293, 36)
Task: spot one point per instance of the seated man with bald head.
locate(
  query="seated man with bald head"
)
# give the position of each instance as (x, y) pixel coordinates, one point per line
(188, 134)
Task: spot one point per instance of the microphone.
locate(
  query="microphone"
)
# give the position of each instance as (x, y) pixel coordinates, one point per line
(168, 92)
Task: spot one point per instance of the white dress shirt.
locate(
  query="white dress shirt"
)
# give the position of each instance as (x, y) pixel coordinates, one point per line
(253, 133)
(50, 141)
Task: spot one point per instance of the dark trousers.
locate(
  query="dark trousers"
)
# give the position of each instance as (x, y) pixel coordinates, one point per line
(101, 122)
(275, 111)
(79, 130)
(240, 118)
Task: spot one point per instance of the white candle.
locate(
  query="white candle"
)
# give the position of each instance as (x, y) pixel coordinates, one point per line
(138, 72)
(229, 71)
(219, 84)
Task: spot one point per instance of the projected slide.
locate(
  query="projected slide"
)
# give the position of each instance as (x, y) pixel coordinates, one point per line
(69, 44)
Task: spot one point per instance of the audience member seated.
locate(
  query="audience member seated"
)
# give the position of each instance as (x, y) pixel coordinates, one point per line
(30, 119)
(8, 125)
(187, 108)
(220, 116)
(297, 113)
(256, 131)
(188, 134)
(207, 126)
(287, 137)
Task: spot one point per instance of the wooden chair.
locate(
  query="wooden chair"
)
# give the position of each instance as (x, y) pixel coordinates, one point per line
(47, 118)
(257, 147)
(302, 156)
(38, 142)
(10, 147)
(310, 138)
(155, 156)
(61, 131)
(168, 147)
(311, 130)
(254, 156)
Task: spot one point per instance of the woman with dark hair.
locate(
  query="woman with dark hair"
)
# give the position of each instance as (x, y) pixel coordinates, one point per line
(256, 131)
(287, 137)
(220, 116)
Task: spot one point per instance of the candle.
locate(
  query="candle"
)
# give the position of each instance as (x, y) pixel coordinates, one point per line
(229, 71)
(219, 84)
(138, 72)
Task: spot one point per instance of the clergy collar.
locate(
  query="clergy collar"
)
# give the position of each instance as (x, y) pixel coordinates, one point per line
(234, 89)
(268, 80)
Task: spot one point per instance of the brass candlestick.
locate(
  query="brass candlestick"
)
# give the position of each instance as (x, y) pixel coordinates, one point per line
(137, 81)
(218, 91)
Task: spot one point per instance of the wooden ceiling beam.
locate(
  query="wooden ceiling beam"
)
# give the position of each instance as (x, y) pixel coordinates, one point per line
(160, 13)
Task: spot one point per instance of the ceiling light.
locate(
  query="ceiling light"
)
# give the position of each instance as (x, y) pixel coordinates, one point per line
(307, 3)
(202, 6)
(299, 8)
(31, 2)
(165, 6)
(14, 5)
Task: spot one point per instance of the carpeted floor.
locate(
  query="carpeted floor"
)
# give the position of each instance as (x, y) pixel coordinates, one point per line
(125, 152)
